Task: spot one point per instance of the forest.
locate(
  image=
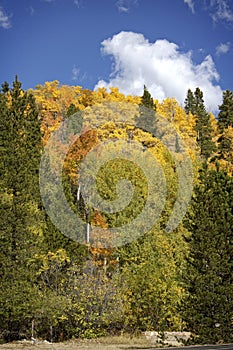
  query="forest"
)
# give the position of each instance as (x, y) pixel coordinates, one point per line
(156, 254)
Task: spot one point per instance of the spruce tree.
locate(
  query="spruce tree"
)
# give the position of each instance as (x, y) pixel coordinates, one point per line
(209, 275)
(189, 103)
(203, 126)
(147, 100)
(147, 113)
(225, 127)
(21, 219)
(72, 109)
(194, 103)
(225, 116)
(225, 146)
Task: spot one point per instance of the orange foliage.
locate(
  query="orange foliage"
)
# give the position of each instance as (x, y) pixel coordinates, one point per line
(77, 152)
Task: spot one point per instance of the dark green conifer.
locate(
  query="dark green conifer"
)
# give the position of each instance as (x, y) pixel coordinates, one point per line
(203, 126)
(147, 114)
(209, 275)
(189, 103)
(225, 117)
(21, 219)
(225, 123)
(195, 105)
(147, 100)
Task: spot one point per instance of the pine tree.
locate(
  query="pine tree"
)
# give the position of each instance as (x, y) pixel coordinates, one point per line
(203, 126)
(209, 275)
(147, 115)
(189, 103)
(225, 146)
(21, 219)
(225, 127)
(147, 100)
(194, 103)
(225, 116)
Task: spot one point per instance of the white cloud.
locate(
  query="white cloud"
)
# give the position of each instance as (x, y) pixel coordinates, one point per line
(222, 48)
(4, 19)
(125, 5)
(221, 10)
(190, 4)
(161, 66)
(75, 73)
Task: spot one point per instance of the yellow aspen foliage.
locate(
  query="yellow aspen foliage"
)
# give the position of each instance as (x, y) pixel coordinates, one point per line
(54, 100)
(171, 110)
(52, 260)
(214, 125)
(114, 95)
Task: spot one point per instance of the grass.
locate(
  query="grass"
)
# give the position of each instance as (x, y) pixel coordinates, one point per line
(106, 343)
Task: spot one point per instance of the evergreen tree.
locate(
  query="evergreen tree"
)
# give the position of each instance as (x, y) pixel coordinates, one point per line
(225, 146)
(203, 124)
(189, 103)
(209, 276)
(147, 100)
(225, 117)
(5, 87)
(72, 109)
(147, 115)
(21, 219)
(225, 127)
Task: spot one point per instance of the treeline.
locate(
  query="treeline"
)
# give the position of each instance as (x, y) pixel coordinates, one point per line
(55, 287)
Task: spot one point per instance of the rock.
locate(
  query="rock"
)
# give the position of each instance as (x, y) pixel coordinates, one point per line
(168, 338)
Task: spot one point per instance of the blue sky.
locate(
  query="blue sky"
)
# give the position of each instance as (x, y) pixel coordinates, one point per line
(169, 45)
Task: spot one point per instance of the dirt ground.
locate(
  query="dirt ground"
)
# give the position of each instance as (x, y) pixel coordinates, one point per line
(108, 343)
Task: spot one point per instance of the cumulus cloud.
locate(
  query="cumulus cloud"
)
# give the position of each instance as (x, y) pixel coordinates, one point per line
(161, 66)
(222, 48)
(125, 5)
(190, 4)
(4, 19)
(221, 10)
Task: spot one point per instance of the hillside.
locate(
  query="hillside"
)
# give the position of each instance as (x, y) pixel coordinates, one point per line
(116, 214)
